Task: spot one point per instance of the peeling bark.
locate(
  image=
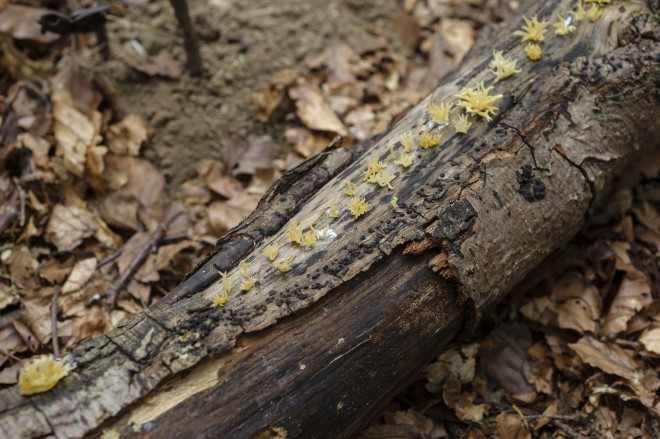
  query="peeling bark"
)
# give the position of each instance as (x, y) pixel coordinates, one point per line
(315, 351)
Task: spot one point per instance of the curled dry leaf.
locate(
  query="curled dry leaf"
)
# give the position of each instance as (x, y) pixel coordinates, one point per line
(133, 54)
(634, 294)
(74, 131)
(69, 225)
(128, 135)
(314, 111)
(82, 271)
(223, 215)
(651, 340)
(22, 23)
(607, 357)
(577, 303)
(511, 426)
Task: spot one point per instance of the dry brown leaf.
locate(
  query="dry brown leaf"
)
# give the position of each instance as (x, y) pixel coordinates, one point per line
(19, 65)
(82, 271)
(223, 215)
(10, 374)
(511, 426)
(36, 315)
(74, 131)
(361, 122)
(462, 402)
(419, 425)
(163, 64)
(80, 89)
(609, 358)
(214, 173)
(458, 364)
(651, 340)
(314, 111)
(140, 291)
(22, 266)
(634, 294)
(305, 142)
(147, 271)
(6, 298)
(28, 337)
(93, 323)
(269, 97)
(69, 225)
(258, 155)
(407, 28)
(22, 23)
(54, 271)
(261, 181)
(578, 303)
(127, 136)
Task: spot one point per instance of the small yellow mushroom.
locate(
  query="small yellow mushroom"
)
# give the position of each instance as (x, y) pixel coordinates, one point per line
(478, 102)
(295, 232)
(271, 251)
(428, 140)
(334, 213)
(286, 265)
(220, 300)
(533, 51)
(533, 30)
(407, 141)
(358, 206)
(350, 188)
(462, 124)
(439, 112)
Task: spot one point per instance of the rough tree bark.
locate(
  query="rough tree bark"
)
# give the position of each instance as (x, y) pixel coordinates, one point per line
(315, 351)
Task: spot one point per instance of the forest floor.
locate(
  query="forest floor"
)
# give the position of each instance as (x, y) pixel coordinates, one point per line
(571, 353)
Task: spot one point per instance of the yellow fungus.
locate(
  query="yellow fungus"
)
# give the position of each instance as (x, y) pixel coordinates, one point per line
(271, 251)
(295, 232)
(405, 160)
(334, 213)
(226, 282)
(350, 188)
(579, 13)
(308, 238)
(358, 206)
(533, 51)
(533, 30)
(41, 374)
(594, 13)
(599, 2)
(428, 140)
(502, 66)
(247, 283)
(462, 124)
(110, 434)
(392, 153)
(373, 166)
(382, 178)
(243, 266)
(220, 300)
(393, 202)
(439, 113)
(407, 141)
(563, 26)
(286, 265)
(478, 102)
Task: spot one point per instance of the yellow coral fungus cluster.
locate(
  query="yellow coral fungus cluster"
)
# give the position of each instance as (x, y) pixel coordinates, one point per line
(41, 374)
(439, 112)
(462, 124)
(285, 265)
(271, 251)
(358, 206)
(429, 140)
(563, 25)
(407, 141)
(247, 280)
(533, 31)
(502, 66)
(478, 102)
(373, 167)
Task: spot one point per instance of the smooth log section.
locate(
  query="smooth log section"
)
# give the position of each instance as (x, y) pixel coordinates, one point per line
(314, 352)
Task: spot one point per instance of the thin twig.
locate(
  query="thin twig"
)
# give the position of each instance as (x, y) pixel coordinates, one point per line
(53, 318)
(21, 198)
(190, 43)
(109, 259)
(134, 265)
(566, 429)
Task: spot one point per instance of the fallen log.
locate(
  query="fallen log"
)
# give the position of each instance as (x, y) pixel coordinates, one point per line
(314, 351)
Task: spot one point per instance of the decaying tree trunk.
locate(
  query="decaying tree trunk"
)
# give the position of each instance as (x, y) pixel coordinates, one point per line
(314, 352)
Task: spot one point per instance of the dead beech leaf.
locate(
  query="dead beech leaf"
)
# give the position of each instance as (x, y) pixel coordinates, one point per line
(163, 64)
(36, 315)
(224, 215)
(74, 131)
(22, 23)
(609, 358)
(269, 97)
(511, 426)
(578, 304)
(419, 425)
(19, 65)
(128, 135)
(54, 271)
(69, 225)
(314, 111)
(651, 340)
(22, 266)
(462, 402)
(81, 273)
(458, 364)
(634, 294)
(305, 142)
(93, 323)
(258, 155)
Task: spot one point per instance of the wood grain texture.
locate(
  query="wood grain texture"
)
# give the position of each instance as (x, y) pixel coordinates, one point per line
(315, 351)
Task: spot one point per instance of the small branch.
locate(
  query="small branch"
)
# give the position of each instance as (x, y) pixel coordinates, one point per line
(134, 266)
(190, 42)
(109, 259)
